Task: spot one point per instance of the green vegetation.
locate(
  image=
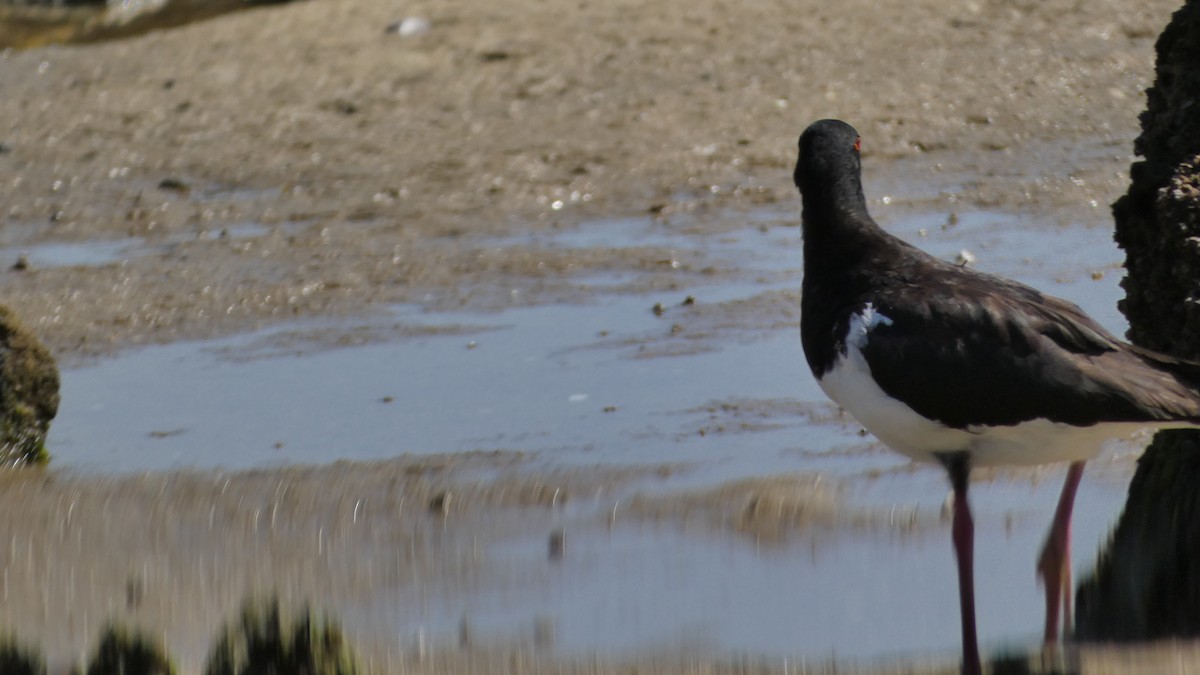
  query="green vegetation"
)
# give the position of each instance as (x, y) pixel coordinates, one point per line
(28, 393)
(15, 659)
(262, 641)
(124, 652)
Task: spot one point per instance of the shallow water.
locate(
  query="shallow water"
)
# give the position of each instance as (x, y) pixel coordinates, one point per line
(561, 379)
(572, 383)
(853, 596)
(106, 252)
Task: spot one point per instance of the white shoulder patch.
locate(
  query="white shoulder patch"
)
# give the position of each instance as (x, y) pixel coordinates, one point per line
(863, 323)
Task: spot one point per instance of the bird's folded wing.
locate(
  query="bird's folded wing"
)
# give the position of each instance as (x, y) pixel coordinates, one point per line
(991, 358)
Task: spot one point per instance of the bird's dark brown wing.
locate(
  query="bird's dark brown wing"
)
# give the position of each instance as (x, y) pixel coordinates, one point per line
(989, 351)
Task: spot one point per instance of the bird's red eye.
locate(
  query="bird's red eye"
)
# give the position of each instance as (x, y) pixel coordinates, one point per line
(858, 144)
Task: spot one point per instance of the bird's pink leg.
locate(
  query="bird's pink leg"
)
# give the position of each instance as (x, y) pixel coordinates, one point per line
(1054, 563)
(963, 532)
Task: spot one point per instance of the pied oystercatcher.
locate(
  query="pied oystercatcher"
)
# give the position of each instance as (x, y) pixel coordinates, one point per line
(946, 364)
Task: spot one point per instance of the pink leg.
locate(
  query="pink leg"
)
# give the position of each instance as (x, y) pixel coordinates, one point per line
(964, 552)
(1054, 563)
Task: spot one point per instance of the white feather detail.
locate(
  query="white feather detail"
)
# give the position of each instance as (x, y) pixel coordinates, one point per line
(862, 324)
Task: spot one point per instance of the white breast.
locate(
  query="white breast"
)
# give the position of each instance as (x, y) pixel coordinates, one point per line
(850, 385)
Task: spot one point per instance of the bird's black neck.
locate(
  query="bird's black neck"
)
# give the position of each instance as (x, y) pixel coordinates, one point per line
(838, 230)
(843, 251)
(832, 191)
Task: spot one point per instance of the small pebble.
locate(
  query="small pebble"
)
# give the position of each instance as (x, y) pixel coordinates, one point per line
(173, 185)
(658, 309)
(494, 55)
(409, 26)
(557, 544)
(344, 106)
(440, 503)
(22, 263)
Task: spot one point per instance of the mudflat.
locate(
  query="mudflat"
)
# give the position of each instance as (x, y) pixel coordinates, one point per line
(376, 168)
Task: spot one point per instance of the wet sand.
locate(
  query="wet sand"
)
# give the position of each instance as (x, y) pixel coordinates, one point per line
(384, 169)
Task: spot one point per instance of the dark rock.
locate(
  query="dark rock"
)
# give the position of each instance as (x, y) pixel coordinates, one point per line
(1153, 223)
(28, 393)
(1147, 582)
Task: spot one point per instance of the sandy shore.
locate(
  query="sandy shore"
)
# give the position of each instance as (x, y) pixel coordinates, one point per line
(378, 160)
(382, 169)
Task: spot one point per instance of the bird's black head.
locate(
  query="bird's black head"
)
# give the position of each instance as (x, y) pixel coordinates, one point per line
(828, 171)
(828, 155)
